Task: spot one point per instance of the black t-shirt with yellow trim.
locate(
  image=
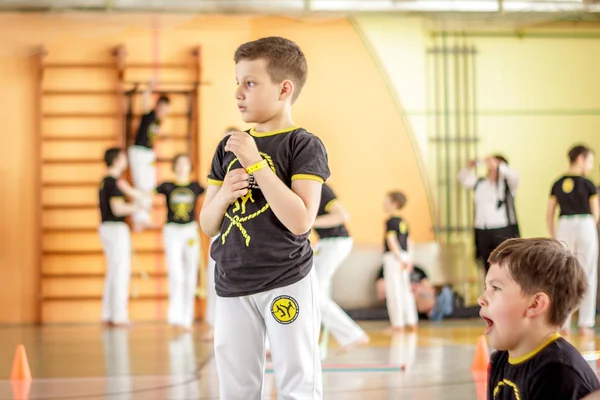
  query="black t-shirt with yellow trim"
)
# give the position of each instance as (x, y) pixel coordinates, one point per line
(327, 200)
(555, 371)
(396, 225)
(109, 190)
(255, 252)
(147, 130)
(573, 194)
(181, 200)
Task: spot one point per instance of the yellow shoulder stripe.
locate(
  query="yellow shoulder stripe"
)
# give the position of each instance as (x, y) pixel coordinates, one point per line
(307, 177)
(215, 182)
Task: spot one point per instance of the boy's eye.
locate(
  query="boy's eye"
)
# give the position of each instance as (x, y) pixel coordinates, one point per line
(250, 83)
(495, 288)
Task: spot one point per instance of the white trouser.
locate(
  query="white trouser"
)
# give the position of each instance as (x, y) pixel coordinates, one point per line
(330, 253)
(143, 172)
(581, 237)
(400, 300)
(182, 253)
(211, 293)
(116, 243)
(242, 324)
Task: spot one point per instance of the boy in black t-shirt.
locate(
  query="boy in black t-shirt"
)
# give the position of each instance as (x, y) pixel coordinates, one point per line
(115, 237)
(263, 196)
(576, 196)
(182, 242)
(531, 288)
(141, 154)
(397, 266)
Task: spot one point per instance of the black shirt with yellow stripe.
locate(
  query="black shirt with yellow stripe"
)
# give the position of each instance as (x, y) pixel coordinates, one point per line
(573, 193)
(255, 252)
(328, 199)
(147, 130)
(398, 227)
(109, 190)
(181, 200)
(555, 371)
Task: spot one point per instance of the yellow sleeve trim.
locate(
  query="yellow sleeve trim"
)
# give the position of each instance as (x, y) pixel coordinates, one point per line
(390, 233)
(307, 177)
(329, 205)
(594, 196)
(117, 198)
(215, 182)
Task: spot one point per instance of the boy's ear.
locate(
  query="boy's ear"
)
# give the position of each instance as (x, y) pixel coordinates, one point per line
(539, 304)
(287, 89)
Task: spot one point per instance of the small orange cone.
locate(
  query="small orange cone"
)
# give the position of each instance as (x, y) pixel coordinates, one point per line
(20, 368)
(481, 359)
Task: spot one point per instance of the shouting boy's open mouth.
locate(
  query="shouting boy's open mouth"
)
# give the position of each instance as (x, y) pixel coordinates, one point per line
(490, 325)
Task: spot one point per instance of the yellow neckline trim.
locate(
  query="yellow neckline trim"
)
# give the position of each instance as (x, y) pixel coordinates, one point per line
(396, 214)
(518, 360)
(263, 134)
(182, 183)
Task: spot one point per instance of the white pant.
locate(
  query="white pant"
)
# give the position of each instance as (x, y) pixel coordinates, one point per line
(182, 252)
(116, 243)
(211, 293)
(581, 237)
(329, 255)
(143, 172)
(400, 300)
(241, 326)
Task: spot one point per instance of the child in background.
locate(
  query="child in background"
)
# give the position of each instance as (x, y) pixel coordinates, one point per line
(397, 266)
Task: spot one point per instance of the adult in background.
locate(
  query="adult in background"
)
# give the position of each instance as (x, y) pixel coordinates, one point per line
(494, 198)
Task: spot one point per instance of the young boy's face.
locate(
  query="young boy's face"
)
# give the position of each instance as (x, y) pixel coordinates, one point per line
(588, 163)
(503, 307)
(183, 166)
(258, 97)
(388, 206)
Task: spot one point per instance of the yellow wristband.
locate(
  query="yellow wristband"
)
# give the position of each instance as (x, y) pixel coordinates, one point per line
(259, 165)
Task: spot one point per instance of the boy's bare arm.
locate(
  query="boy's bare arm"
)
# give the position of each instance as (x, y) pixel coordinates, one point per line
(121, 209)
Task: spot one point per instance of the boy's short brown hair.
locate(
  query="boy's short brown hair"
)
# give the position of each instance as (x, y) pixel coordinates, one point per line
(284, 57)
(544, 265)
(398, 198)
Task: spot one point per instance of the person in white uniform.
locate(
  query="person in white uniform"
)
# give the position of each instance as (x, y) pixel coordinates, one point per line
(576, 197)
(142, 157)
(494, 198)
(397, 266)
(262, 200)
(116, 239)
(333, 247)
(181, 242)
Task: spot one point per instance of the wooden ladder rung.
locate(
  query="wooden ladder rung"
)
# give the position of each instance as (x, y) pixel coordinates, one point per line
(99, 92)
(79, 138)
(81, 66)
(71, 184)
(80, 115)
(159, 66)
(73, 161)
(93, 229)
(163, 136)
(151, 274)
(84, 206)
(94, 252)
(99, 297)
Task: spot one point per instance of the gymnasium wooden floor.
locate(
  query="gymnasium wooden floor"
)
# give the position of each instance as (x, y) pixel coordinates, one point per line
(149, 361)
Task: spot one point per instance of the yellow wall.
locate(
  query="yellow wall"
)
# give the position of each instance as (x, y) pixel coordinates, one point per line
(536, 98)
(346, 102)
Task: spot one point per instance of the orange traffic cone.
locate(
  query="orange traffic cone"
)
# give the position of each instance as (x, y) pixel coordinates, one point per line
(481, 359)
(20, 368)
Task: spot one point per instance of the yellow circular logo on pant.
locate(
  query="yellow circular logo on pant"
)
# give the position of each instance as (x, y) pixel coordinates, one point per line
(568, 185)
(285, 309)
